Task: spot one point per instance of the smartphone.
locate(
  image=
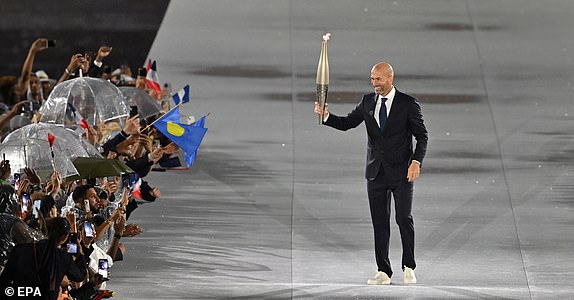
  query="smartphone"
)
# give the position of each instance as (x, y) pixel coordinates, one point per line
(133, 110)
(25, 200)
(16, 181)
(36, 210)
(87, 205)
(103, 267)
(72, 245)
(142, 72)
(88, 229)
(51, 43)
(126, 181)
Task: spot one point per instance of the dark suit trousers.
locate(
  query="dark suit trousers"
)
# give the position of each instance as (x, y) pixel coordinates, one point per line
(379, 192)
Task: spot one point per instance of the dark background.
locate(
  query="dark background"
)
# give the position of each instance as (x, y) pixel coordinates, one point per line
(129, 26)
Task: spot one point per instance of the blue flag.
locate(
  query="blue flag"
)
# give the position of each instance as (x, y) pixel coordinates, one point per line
(172, 115)
(201, 124)
(182, 95)
(187, 137)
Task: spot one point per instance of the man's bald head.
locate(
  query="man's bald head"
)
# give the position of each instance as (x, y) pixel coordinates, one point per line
(384, 68)
(382, 76)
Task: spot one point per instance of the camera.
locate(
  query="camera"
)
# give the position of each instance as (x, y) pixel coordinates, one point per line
(51, 43)
(88, 229)
(133, 110)
(72, 245)
(103, 267)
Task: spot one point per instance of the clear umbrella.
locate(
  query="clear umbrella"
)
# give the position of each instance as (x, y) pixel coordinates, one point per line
(93, 99)
(29, 146)
(147, 106)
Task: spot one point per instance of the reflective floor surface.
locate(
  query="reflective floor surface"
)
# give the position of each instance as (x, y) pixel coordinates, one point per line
(276, 205)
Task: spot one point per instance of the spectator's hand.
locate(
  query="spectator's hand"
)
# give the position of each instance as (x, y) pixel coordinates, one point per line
(120, 224)
(155, 192)
(39, 45)
(56, 183)
(146, 142)
(113, 186)
(85, 65)
(156, 155)
(112, 155)
(32, 176)
(125, 198)
(132, 230)
(171, 148)
(71, 216)
(92, 135)
(17, 108)
(23, 187)
(104, 51)
(125, 147)
(132, 125)
(98, 279)
(75, 62)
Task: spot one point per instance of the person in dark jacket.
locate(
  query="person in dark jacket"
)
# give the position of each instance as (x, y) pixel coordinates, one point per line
(392, 120)
(42, 265)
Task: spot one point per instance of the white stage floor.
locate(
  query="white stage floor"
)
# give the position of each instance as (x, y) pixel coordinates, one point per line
(276, 206)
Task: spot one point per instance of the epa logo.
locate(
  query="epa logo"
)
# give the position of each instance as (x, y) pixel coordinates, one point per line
(22, 291)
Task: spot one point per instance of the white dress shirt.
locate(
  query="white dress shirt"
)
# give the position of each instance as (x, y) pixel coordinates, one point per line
(390, 96)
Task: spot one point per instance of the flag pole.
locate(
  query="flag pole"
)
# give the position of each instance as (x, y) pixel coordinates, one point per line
(148, 126)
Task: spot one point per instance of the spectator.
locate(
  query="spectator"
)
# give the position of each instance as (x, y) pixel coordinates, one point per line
(43, 264)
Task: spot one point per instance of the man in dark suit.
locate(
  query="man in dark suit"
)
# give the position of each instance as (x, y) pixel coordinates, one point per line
(392, 120)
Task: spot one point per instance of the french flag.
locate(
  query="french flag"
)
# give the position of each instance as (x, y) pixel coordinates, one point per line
(152, 79)
(77, 117)
(148, 66)
(136, 191)
(181, 96)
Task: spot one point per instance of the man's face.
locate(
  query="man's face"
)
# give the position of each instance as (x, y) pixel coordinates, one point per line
(35, 85)
(380, 82)
(92, 196)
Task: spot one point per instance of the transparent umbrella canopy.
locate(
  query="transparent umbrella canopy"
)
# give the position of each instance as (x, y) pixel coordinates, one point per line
(147, 106)
(95, 100)
(29, 146)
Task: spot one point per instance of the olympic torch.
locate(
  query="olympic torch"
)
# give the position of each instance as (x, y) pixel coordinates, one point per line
(323, 75)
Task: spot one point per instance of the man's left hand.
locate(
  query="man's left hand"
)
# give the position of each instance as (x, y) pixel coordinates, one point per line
(414, 171)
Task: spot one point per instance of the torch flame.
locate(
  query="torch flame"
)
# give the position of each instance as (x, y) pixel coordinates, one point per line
(327, 36)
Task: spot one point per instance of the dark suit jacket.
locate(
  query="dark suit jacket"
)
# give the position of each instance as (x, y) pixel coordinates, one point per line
(391, 150)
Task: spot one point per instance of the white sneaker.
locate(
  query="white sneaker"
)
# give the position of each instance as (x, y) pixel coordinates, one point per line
(379, 279)
(409, 274)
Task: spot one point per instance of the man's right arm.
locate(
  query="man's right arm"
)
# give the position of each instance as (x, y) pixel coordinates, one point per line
(352, 120)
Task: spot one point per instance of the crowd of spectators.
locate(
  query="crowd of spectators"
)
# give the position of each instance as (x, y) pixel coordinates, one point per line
(58, 237)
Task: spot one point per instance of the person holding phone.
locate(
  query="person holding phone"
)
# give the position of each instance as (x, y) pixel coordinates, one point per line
(23, 86)
(43, 264)
(86, 199)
